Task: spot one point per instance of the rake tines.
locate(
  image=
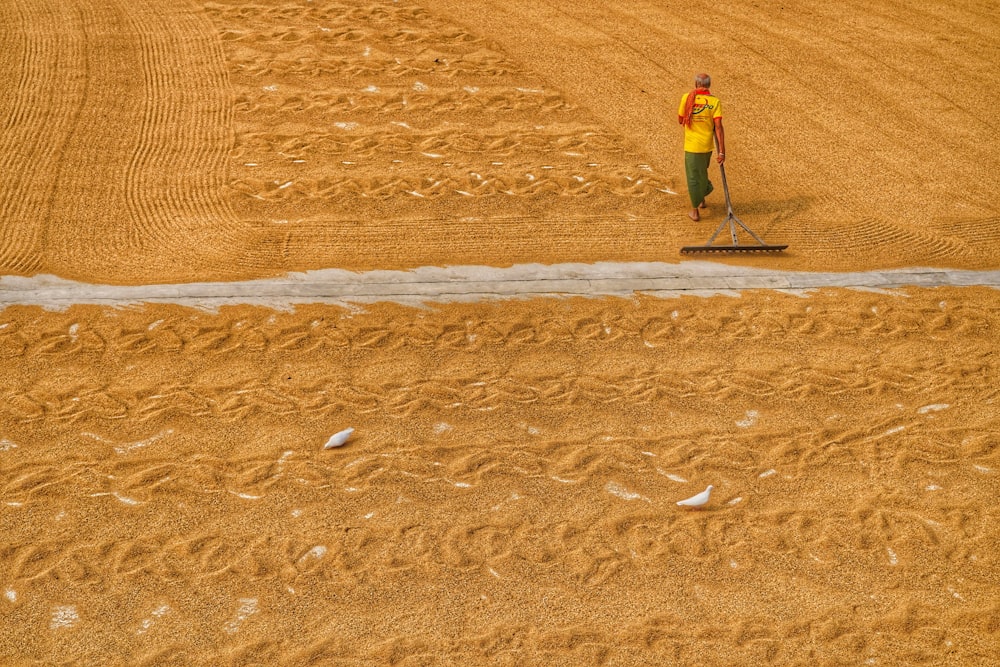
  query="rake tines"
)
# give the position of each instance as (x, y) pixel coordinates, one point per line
(732, 221)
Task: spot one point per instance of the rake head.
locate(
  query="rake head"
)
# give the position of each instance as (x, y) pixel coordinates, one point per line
(732, 222)
(732, 248)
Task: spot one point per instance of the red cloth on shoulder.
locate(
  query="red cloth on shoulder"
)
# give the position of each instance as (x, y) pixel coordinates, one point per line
(689, 104)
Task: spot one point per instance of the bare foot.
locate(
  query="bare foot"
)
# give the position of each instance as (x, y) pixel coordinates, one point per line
(703, 205)
(694, 215)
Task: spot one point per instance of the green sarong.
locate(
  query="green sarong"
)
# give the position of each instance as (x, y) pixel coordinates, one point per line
(696, 167)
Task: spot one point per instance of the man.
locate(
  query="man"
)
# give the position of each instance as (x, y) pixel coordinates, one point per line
(701, 115)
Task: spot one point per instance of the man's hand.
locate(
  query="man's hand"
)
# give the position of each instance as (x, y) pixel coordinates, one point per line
(720, 140)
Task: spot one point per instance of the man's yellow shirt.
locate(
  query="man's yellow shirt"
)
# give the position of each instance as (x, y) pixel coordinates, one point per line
(699, 138)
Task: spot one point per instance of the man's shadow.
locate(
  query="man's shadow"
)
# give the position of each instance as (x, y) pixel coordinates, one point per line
(762, 215)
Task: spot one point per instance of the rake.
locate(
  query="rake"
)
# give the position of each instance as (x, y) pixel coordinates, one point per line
(732, 221)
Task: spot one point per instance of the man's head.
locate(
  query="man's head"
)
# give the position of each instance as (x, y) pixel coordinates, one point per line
(702, 81)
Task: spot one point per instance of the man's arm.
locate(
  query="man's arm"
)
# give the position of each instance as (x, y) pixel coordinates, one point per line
(720, 136)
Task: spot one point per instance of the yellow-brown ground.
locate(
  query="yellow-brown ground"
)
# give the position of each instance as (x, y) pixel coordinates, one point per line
(509, 495)
(179, 141)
